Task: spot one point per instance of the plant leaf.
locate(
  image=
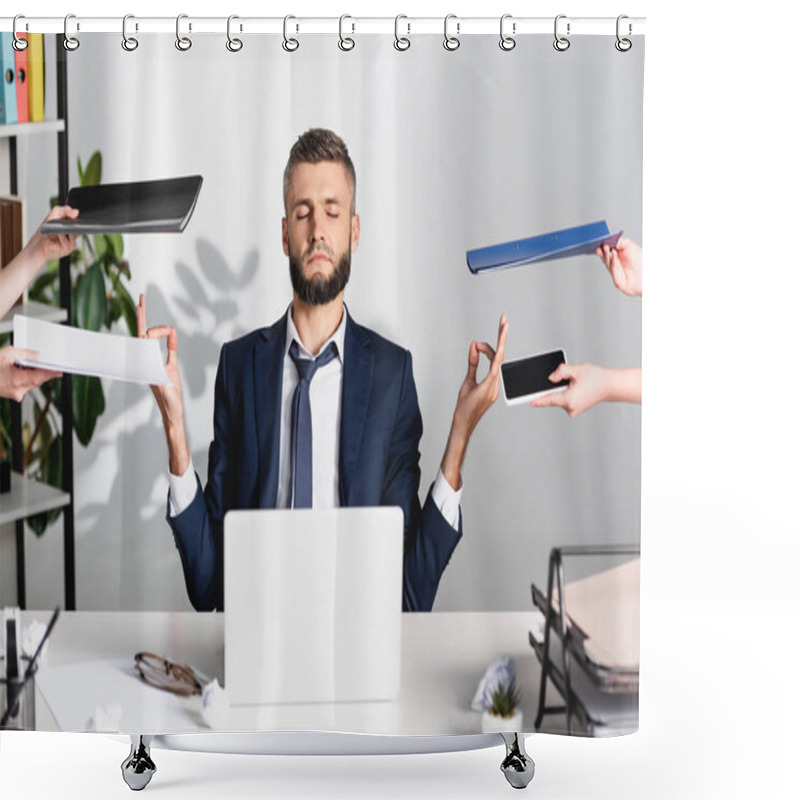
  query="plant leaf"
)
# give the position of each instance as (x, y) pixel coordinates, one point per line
(51, 472)
(100, 245)
(128, 309)
(88, 403)
(90, 300)
(46, 279)
(93, 171)
(115, 245)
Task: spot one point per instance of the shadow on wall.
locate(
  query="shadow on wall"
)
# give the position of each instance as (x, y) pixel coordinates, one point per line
(126, 536)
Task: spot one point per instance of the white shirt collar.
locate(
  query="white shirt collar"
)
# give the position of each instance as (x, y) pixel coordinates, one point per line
(293, 335)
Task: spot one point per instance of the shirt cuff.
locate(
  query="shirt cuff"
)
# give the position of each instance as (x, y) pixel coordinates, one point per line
(447, 499)
(182, 489)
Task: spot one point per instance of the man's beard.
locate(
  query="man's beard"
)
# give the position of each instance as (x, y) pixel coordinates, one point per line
(318, 291)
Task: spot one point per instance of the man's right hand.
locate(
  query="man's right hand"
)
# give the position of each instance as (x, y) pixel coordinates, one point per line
(169, 398)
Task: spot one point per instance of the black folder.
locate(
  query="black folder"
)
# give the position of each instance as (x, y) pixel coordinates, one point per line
(163, 206)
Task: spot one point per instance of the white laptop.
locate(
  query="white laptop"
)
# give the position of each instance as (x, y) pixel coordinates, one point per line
(313, 603)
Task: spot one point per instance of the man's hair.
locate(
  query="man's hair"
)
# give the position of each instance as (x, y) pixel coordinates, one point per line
(315, 145)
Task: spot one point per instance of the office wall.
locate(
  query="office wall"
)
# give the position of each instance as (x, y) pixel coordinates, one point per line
(453, 151)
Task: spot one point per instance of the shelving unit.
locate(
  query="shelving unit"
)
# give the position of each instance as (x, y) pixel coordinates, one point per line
(28, 497)
(34, 310)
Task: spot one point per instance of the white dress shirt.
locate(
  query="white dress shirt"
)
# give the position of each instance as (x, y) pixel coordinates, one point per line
(325, 395)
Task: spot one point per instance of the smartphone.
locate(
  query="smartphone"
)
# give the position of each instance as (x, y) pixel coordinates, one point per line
(526, 378)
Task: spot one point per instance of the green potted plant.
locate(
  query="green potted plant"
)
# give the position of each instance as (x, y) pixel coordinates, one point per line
(98, 271)
(504, 714)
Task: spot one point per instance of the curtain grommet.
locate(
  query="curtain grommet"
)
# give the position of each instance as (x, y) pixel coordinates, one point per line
(129, 43)
(289, 44)
(346, 43)
(451, 43)
(561, 43)
(507, 43)
(401, 43)
(233, 44)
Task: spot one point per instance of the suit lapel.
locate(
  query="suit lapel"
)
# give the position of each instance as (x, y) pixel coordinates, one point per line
(268, 383)
(359, 361)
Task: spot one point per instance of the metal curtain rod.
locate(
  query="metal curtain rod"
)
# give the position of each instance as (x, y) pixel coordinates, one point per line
(460, 26)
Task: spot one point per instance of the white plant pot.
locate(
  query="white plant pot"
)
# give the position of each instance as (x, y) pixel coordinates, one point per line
(490, 723)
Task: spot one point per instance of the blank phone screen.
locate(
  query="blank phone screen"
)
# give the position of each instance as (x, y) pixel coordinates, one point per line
(530, 375)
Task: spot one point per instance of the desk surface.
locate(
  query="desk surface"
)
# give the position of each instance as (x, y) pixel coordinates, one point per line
(444, 655)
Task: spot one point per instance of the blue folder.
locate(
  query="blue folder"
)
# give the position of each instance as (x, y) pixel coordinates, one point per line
(8, 89)
(558, 244)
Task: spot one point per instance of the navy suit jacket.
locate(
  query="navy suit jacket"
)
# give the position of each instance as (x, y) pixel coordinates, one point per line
(381, 426)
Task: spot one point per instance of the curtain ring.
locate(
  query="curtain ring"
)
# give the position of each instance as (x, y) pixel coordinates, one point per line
(507, 42)
(346, 43)
(623, 45)
(70, 42)
(401, 42)
(234, 45)
(18, 43)
(561, 43)
(451, 42)
(183, 43)
(128, 42)
(289, 44)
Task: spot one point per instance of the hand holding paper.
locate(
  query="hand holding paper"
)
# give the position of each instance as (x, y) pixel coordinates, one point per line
(16, 381)
(104, 355)
(168, 397)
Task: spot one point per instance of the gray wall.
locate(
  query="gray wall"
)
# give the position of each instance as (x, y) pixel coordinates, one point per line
(453, 151)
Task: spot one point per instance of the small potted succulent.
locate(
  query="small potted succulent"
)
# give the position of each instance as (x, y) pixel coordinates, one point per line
(498, 698)
(504, 714)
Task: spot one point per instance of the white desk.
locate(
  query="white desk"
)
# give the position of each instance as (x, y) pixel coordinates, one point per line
(444, 657)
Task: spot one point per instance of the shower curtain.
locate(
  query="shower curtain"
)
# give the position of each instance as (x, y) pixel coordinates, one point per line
(475, 148)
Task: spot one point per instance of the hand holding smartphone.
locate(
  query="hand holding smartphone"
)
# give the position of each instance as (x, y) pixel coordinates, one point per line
(529, 377)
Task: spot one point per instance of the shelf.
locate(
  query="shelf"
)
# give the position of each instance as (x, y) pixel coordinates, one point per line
(31, 128)
(34, 310)
(28, 497)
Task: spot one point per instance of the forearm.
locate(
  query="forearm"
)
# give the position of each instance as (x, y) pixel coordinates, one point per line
(454, 453)
(624, 385)
(16, 275)
(178, 446)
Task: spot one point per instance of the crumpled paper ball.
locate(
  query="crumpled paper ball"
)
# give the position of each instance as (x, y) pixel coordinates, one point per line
(31, 636)
(216, 706)
(502, 671)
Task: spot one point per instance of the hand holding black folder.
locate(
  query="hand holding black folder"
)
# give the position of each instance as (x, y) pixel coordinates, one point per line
(163, 206)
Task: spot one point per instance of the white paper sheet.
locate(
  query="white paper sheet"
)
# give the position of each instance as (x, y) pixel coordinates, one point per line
(104, 355)
(110, 697)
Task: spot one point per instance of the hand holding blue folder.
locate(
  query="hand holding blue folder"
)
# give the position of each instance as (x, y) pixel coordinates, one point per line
(558, 244)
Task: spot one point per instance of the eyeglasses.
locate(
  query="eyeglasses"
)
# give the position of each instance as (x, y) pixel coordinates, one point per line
(163, 674)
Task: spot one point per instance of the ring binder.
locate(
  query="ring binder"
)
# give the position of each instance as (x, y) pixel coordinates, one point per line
(71, 43)
(561, 43)
(18, 43)
(183, 43)
(507, 42)
(290, 44)
(234, 45)
(346, 43)
(129, 43)
(451, 42)
(401, 43)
